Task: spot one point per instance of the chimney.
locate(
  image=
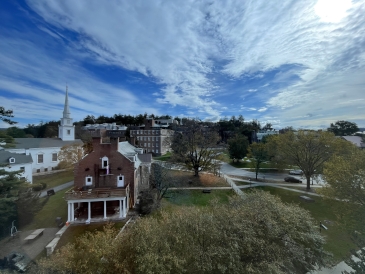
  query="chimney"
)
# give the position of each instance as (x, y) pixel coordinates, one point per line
(27, 151)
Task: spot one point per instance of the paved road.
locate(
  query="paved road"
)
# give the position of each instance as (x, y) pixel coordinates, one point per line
(58, 188)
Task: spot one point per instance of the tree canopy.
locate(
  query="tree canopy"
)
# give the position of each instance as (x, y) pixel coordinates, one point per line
(257, 235)
(237, 147)
(308, 150)
(70, 155)
(343, 128)
(5, 114)
(195, 147)
(258, 154)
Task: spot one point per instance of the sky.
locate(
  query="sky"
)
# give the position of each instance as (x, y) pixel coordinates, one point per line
(297, 63)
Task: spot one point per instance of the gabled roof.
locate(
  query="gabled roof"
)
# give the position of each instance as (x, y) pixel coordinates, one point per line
(42, 142)
(19, 158)
(356, 140)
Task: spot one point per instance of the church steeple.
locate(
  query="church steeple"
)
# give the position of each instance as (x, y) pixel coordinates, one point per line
(66, 110)
(66, 131)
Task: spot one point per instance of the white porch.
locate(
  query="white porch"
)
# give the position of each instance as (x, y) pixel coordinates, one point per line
(108, 208)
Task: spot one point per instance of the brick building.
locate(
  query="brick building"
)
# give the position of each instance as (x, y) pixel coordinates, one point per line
(108, 180)
(152, 137)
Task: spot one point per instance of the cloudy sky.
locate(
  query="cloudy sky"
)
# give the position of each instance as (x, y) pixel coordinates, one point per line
(294, 63)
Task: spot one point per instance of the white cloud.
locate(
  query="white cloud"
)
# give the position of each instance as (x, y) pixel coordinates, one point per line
(262, 109)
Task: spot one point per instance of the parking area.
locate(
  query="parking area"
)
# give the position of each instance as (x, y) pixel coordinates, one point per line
(31, 249)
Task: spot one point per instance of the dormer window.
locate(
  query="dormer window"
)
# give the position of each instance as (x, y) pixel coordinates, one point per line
(11, 160)
(104, 162)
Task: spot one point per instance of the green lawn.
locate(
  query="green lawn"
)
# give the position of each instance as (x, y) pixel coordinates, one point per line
(338, 241)
(56, 206)
(55, 179)
(164, 157)
(197, 197)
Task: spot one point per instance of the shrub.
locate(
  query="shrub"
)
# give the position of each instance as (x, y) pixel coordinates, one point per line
(37, 187)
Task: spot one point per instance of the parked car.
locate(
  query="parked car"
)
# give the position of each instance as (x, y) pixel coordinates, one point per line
(291, 179)
(296, 172)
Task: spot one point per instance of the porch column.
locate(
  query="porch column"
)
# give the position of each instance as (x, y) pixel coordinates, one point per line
(68, 212)
(125, 207)
(104, 209)
(89, 211)
(72, 212)
(121, 209)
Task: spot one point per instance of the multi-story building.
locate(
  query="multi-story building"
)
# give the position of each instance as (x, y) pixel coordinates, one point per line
(17, 162)
(152, 137)
(108, 180)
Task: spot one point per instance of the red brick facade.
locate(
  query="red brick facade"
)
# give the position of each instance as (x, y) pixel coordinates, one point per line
(118, 165)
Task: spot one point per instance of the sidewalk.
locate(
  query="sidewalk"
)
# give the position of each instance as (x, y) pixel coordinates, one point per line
(57, 188)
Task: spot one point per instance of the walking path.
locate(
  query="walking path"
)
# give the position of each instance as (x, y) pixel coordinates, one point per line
(57, 188)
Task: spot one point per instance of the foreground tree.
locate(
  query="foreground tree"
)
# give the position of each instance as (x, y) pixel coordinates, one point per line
(237, 147)
(5, 115)
(258, 153)
(309, 150)
(195, 147)
(70, 155)
(257, 235)
(343, 128)
(345, 181)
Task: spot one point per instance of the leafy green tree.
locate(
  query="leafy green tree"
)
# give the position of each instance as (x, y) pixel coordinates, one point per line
(195, 147)
(5, 114)
(15, 132)
(309, 150)
(258, 153)
(343, 128)
(259, 234)
(6, 141)
(237, 147)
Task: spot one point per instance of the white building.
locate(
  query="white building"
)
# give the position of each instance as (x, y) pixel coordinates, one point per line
(263, 133)
(14, 162)
(44, 151)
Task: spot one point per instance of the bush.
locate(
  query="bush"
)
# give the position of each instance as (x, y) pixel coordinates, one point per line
(44, 185)
(37, 187)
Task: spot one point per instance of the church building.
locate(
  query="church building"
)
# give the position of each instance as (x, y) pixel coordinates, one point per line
(44, 151)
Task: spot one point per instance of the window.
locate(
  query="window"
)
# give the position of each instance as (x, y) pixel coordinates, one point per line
(156, 150)
(148, 144)
(22, 168)
(104, 162)
(149, 139)
(68, 132)
(38, 170)
(39, 158)
(46, 169)
(12, 160)
(88, 181)
(120, 182)
(54, 157)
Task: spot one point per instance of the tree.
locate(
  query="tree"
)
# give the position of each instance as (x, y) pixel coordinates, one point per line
(6, 141)
(267, 126)
(195, 147)
(237, 147)
(259, 234)
(15, 132)
(258, 154)
(5, 115)
(309, 150)
(70, 155)
(343, 128)
(345, 181)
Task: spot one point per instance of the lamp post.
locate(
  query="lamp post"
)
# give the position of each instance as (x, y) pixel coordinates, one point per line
(250, 181)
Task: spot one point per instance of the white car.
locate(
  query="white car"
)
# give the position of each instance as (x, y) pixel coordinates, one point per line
(296, 172)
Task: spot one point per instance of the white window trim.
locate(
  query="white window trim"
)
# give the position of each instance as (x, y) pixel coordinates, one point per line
(120, 181)
(102, 162)
(42, 158)
(12, 160)
(88, 183)
(56, 156)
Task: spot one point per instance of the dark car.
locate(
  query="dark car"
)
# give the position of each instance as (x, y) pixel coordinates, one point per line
(290, 179)
(296, 172)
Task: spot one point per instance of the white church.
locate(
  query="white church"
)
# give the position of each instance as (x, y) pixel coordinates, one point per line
(44, 151)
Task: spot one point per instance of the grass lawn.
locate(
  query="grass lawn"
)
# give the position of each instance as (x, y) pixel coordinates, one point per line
(56, 206)
(164, 157)
(338, 241)
(55, 179)
(197, 197)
